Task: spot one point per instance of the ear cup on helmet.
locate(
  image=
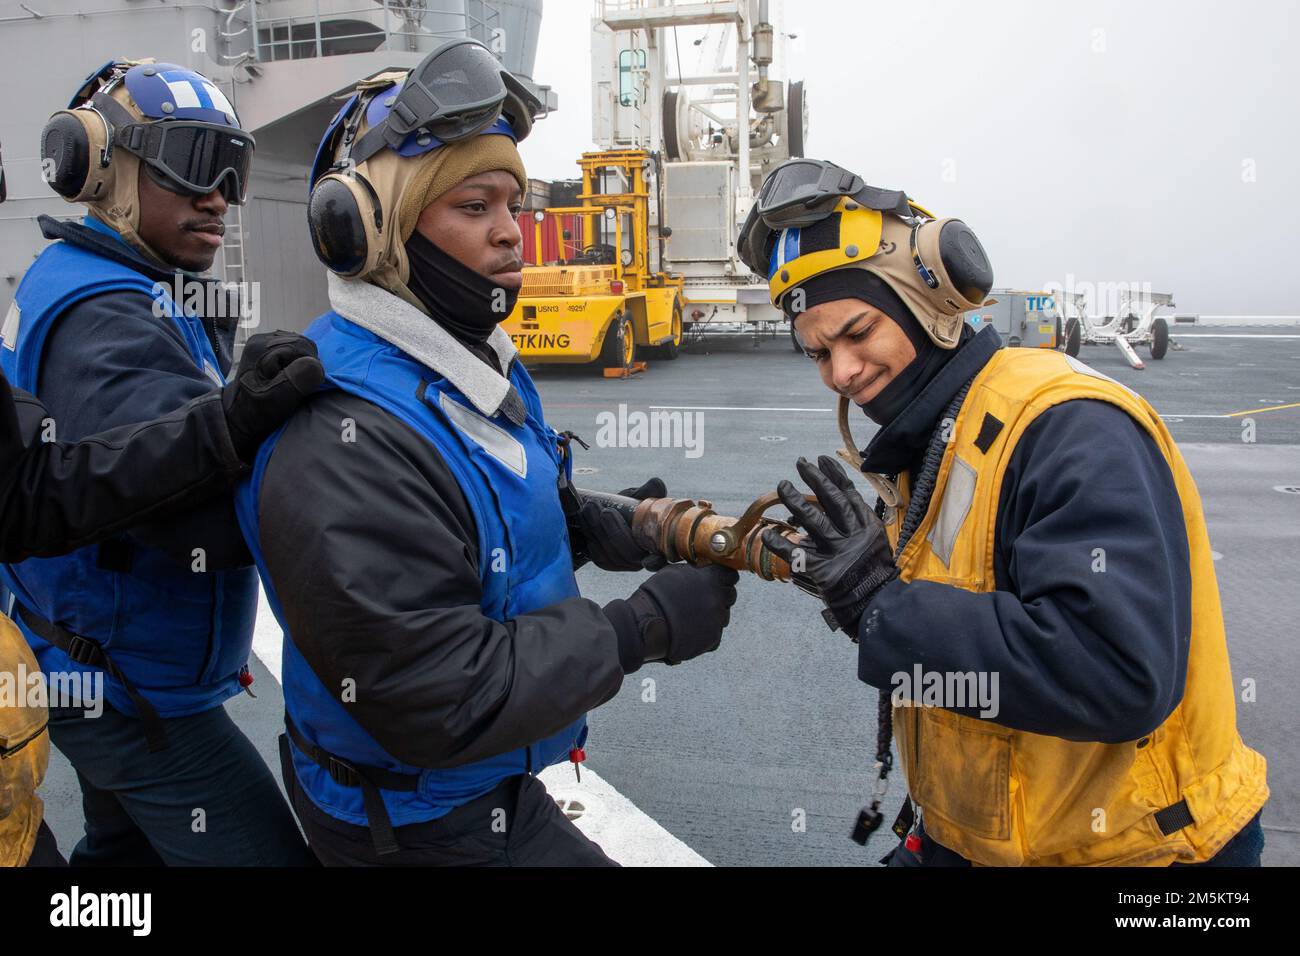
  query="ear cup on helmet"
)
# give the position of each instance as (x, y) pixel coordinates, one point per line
(954, 257)
(72, 146)
(346, 224)
(965, 261)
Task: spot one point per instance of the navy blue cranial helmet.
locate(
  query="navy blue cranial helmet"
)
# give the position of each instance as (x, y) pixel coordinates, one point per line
(178, 123)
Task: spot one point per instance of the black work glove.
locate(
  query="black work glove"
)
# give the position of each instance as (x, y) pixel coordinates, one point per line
(277, 371)
(846, 554)
(677, 614)
(607, 539)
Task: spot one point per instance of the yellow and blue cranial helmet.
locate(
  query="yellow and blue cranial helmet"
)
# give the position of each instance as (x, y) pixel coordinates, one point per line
(812, 217)
(847, 235)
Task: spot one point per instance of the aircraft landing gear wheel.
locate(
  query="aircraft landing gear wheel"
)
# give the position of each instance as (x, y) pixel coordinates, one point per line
(619, 347)
(1159, 338)
(1073, 336)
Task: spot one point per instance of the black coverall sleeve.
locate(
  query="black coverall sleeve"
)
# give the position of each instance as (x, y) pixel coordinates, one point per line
(1089, 629)
(109, 361)
(56, 497)
(372, 551)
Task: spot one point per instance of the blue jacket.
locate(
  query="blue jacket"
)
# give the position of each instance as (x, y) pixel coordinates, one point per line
(508, 474)
(181, 636)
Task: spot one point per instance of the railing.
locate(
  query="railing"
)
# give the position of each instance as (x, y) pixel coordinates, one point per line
(362, 28)
(619, 6)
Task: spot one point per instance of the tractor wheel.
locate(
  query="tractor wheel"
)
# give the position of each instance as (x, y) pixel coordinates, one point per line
(670, 349)
(619, 347)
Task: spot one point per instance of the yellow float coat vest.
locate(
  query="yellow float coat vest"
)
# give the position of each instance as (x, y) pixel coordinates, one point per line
(24, 749)
(1006, 797)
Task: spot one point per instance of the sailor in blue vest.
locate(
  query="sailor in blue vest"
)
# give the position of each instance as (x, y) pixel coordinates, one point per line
(408, 524)
(165, 611)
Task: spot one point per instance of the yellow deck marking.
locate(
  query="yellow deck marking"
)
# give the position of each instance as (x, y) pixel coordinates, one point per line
(1271, 408)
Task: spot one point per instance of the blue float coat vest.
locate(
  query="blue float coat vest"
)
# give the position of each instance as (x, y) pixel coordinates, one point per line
(180, 636)
(523, 553)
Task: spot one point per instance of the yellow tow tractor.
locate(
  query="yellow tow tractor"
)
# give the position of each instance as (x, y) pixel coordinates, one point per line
(589, 294)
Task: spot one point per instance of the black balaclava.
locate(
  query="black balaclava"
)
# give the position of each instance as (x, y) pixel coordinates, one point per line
(457, 297)
(870, 288)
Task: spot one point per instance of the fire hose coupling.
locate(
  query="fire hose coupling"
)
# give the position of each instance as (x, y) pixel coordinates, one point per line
(684, 529)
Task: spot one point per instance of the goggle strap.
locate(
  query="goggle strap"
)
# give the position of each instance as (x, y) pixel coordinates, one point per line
(385, 136)
(407, 117)
(113, 111)
(835, 181)
(369, 144)
(884, 200)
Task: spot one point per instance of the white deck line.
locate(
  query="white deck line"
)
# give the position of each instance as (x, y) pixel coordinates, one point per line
(736, 408)
(622, 829)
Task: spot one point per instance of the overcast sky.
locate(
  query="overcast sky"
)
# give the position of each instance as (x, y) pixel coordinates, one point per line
(1144, 142)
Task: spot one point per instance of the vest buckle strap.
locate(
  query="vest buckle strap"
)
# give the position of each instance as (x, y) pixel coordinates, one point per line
(84, 651)
(368, 779)
(87, 653)
(341, 772)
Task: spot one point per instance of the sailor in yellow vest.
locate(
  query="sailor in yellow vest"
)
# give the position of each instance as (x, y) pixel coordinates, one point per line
(1034, 591)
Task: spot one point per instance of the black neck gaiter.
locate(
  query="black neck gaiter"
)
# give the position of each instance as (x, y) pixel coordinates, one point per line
(898, 394)
(457, 297)
(875, 291)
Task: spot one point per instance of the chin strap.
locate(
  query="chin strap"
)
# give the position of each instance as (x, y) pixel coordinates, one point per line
(870, 817)
(885, 488)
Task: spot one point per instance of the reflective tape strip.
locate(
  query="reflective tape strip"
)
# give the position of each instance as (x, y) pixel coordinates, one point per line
(493, 439)
(1083, 369)
(957, 497)
(13, 322)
